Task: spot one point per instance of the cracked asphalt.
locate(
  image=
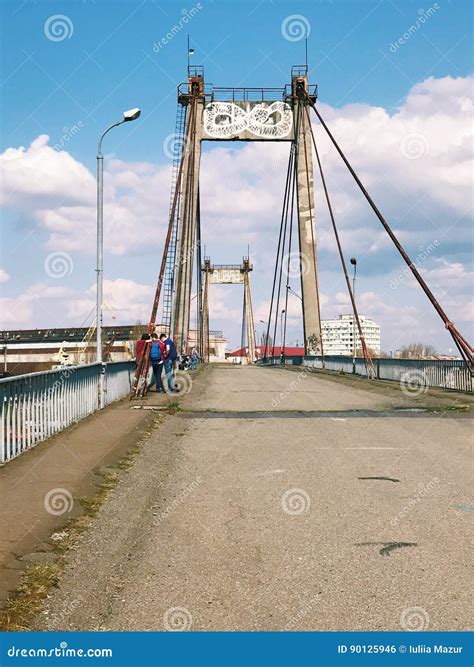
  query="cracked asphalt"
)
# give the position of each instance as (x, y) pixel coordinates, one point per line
(264, 522)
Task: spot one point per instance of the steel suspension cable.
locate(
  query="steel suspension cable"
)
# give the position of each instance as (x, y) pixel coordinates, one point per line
(288, 196)
(288, 174)
(466, 350)
(280, 261)
(290, 234)
(369, 366)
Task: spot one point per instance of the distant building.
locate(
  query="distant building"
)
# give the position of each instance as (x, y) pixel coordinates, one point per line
(33, 350)
(339, 333)
(217, 344)
(240, 356)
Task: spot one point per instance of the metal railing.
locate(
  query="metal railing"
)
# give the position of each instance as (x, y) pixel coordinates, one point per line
(38, 405)
(445, 374)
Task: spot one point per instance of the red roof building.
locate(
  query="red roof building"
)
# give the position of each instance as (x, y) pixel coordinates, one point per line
(275, 352)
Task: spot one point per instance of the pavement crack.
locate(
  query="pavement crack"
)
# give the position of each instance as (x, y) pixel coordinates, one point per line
(387, 546)
(385, 479)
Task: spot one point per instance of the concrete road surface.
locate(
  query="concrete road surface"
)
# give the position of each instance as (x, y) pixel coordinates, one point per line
(237, 521)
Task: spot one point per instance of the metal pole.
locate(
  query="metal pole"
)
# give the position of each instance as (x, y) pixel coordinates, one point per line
(100, 250)
(353, 316)
(100, 240)
(281, 327)
(127, 116)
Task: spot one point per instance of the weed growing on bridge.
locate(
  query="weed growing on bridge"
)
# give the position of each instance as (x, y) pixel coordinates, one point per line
(37, 580)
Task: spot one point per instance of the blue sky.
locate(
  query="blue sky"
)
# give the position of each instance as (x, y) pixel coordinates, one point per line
(107, 63)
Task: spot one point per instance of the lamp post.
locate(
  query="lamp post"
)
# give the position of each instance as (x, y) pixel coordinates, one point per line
(354, 264)
(294, 293)
(132, 114)
(281, 327)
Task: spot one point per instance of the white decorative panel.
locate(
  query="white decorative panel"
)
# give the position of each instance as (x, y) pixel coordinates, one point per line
(248, 120)
(226, 277)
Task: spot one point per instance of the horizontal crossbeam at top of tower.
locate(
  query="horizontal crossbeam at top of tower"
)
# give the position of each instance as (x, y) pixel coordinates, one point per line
(211, 93)
(245, 266)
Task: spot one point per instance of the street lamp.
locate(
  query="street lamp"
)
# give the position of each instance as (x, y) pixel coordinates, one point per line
(281, 326)
(294, 293)
(354, 264)
(129, 115)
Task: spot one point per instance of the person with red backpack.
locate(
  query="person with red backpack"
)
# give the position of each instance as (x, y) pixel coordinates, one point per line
(156, 361)
(140, 346)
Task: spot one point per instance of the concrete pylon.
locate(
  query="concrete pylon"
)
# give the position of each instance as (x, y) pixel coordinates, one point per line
(306, 221)
(205, 311)
(251, 344)
(187, 236)
(230, 274)
(236, 114)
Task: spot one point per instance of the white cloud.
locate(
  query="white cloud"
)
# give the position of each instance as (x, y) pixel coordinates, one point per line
(125, 301)
(416, 162)
(58, 194)
(15, 313)
(4, 276)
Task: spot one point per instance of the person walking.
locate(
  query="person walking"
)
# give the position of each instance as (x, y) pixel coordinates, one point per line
(156, 361)
(193, 360)
(170, 361)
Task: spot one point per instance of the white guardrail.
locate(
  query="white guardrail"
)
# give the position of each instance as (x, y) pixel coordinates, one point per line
(422, 372)
(38, 405)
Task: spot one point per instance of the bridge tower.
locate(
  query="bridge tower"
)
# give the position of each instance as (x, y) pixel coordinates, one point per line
(230, 274)
(240, 114)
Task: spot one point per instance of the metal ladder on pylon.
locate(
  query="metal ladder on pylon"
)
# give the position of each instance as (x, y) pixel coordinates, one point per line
(168, 284)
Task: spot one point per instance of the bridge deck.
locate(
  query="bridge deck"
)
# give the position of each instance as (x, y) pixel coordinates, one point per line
(270, 521)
